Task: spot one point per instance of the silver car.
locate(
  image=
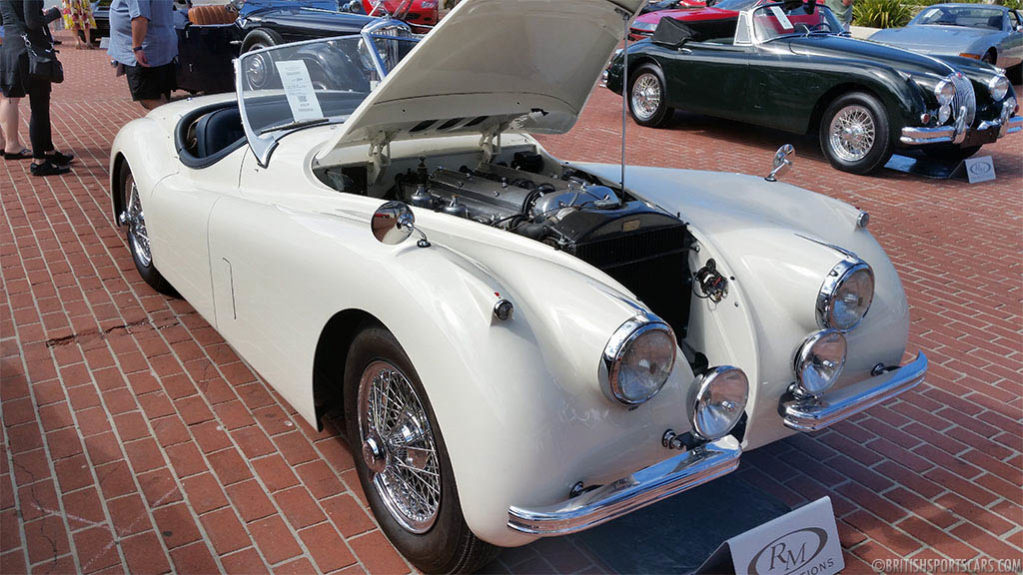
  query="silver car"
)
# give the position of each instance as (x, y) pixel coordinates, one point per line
(985, 32)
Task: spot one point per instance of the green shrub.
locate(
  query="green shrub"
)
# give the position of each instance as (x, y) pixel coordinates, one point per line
(881, 13)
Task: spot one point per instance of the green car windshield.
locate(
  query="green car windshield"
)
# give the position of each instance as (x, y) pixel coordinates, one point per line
(776, 21)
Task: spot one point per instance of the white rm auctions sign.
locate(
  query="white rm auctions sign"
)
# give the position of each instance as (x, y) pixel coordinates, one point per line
(801, 542)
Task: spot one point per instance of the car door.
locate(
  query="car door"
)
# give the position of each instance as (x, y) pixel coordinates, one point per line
(708, 78)
(784, 86)
(1011, 49)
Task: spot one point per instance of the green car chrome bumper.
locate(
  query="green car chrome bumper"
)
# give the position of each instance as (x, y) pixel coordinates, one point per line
(987, 131)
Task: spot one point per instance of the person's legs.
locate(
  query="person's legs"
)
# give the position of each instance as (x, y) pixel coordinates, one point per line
(75, 29)
(9, 125)
(39, 130)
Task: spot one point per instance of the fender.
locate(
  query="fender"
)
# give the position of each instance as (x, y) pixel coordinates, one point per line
(143, 144)
(510, 422)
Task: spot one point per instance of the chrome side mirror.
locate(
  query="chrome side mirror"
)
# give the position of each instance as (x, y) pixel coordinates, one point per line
(781, 162)
(393, 223)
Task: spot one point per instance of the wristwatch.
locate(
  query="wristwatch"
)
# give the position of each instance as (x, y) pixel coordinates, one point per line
(137, 49)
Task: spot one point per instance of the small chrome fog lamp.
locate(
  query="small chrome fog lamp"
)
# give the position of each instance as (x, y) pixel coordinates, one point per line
(717, 404)
(945, 92)
(819, 363)
(944, 113)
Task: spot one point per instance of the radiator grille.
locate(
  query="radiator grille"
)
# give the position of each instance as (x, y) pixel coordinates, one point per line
(654, 265)
(965, 96)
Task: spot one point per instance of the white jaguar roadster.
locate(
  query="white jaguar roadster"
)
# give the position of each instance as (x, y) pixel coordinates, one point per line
(521, 346)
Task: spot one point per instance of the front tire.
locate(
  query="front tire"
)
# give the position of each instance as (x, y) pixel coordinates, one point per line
(648, 97)
(401, 458)
(134, 220)
(855, 133)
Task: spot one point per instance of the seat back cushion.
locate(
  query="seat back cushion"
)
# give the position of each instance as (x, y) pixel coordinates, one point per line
(218, 130)
(210, 15)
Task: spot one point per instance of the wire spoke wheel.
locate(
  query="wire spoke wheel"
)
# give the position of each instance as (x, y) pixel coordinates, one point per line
(398, 446)
(852, 133)
(136, 221)
(646, 96)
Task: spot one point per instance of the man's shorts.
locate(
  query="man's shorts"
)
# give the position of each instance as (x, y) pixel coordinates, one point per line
(151, 83)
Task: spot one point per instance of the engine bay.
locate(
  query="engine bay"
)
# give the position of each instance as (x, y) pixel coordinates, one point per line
(641, 246)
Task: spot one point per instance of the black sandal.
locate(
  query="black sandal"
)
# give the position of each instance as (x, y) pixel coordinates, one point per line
(48, 168)
(24, 154)
(59, 158)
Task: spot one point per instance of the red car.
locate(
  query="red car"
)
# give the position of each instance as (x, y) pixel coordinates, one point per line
(417, 13)
(644, 26)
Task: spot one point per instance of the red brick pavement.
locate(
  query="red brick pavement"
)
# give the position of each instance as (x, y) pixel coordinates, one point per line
(135, 440)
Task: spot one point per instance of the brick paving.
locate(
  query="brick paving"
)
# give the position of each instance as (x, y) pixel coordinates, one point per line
(135, 440)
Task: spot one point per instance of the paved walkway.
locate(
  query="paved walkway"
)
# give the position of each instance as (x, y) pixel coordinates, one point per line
(134, 440)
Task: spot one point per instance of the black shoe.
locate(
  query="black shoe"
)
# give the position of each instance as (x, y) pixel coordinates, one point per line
(48, 168)
(59, 158)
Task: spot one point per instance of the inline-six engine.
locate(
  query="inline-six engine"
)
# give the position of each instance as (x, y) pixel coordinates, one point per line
(643, 247)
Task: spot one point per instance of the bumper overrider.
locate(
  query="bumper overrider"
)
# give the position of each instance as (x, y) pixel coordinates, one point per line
(813, 414)
(649, 485)
(959, 132)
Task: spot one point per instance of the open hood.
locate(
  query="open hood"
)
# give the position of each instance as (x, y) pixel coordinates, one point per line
(494, 65)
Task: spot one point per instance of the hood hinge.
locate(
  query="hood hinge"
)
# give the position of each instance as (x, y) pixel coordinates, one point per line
(490, 143)
(379, 155)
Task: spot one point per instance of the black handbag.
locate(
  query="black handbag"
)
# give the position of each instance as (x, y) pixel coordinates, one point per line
(43, 62)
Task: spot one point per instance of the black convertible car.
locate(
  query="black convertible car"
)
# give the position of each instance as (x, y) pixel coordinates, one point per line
(211, 37)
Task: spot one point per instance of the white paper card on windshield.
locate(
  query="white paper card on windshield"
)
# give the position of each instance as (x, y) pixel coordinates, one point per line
(801, 541)
(782, 18)
(299, 90)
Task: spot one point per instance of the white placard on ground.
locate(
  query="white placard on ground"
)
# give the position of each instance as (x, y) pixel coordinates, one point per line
(801, 542)
(299, 90)
(980, 169)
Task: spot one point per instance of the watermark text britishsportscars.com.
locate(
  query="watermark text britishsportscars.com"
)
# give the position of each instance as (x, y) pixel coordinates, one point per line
(979, 565)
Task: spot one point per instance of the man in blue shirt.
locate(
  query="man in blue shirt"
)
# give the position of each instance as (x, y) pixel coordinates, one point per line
(142, 39)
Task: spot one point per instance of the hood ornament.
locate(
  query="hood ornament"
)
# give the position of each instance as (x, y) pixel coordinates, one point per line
(781, 162)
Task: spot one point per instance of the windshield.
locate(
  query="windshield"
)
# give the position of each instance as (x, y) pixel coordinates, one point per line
(967, 16)
(735, 5)
(295, 86)
(775, 21)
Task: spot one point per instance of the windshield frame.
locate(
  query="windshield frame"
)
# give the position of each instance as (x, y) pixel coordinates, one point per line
(746, 18)
(264, 140)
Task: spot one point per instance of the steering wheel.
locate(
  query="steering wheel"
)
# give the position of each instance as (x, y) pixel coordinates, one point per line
(820, 27)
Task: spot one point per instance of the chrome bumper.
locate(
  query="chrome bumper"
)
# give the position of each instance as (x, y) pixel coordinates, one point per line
(912, 136)
(649, 485)
(814, 415)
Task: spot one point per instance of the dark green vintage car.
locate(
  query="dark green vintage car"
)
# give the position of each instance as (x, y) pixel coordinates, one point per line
(791, 67)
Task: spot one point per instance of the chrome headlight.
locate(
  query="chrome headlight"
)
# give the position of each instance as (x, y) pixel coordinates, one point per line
(718, 403)
(819, 362)
(998, 87)
(846, 295)
(638, 359)
(945, 92)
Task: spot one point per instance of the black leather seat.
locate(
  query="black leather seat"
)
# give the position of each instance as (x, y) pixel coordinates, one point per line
(217, 131)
